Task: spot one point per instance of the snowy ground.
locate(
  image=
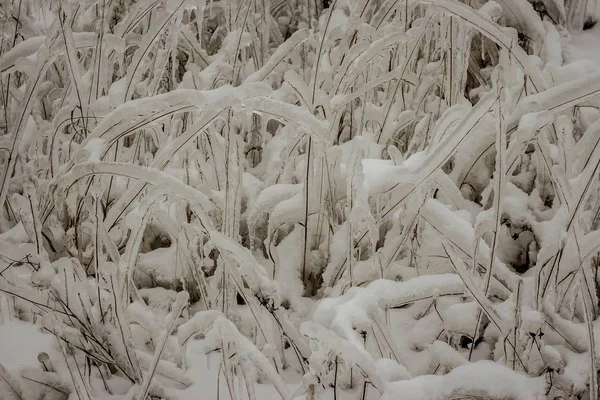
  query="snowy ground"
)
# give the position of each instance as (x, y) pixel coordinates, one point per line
(401, 331)
(586, 45)
(20, 345)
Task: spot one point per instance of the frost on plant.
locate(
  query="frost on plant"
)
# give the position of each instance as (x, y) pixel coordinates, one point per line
(298, 199)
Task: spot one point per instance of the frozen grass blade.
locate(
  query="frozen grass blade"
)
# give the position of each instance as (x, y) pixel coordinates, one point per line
(170, 320)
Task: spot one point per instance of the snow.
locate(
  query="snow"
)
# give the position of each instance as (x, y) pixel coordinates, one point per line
(204, 371)
(16, 235)
(585, 45)
(481, 379)
(159, 264)
(259, 200)
(21, 344)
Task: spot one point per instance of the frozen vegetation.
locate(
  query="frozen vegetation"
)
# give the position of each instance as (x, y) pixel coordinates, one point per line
(299, 199)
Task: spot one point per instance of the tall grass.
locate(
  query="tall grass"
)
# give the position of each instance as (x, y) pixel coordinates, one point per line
(335, 196)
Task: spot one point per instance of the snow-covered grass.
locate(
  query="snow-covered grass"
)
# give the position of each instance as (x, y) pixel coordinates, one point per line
(298, 199)
(585, 44)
